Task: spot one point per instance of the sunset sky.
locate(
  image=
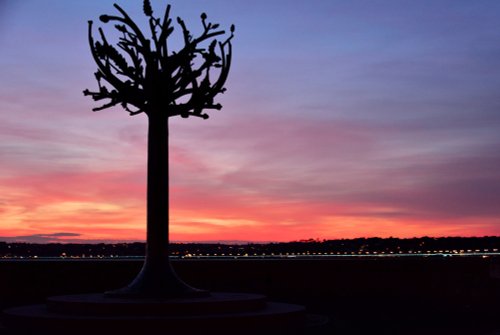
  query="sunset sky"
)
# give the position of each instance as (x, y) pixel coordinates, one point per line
(342, 119)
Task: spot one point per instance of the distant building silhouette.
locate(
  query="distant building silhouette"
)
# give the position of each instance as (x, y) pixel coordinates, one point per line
(359, 246)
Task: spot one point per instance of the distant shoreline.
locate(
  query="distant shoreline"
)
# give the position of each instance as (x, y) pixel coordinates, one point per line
(361, 247)
(267, 258)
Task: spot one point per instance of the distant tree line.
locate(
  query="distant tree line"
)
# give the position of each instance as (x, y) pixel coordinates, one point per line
(308, 247)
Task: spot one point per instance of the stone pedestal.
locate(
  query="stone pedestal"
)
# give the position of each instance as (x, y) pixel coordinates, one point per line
(218, 313)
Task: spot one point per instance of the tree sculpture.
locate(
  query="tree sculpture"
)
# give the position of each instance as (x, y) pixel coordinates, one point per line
(144, 76)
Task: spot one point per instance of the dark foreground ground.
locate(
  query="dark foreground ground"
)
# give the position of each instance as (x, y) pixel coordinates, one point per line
(433, 295)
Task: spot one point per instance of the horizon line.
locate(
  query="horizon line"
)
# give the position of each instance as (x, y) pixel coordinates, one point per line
(46, 240)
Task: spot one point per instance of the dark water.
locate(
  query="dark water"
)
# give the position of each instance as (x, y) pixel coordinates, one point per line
(290, 256)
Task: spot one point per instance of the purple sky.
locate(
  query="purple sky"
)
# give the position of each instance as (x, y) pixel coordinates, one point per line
(341, 119)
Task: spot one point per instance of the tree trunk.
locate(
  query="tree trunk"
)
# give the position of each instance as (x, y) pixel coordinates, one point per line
(157, 279)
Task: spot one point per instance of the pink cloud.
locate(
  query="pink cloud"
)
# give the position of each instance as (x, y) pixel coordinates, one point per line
(266, 178)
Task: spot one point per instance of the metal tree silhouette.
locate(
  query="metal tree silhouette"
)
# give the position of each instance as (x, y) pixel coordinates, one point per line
(144, 76)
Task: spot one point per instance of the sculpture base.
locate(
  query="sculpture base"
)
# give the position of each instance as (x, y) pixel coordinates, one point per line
(219, 313)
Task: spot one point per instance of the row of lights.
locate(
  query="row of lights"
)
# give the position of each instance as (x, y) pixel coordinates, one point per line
(307, 253)
(461, 251)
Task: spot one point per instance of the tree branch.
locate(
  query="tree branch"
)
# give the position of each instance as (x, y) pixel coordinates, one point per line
(153, 78)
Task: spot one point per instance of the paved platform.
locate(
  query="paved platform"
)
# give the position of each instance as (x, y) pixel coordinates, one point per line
(221, 313)
(102, 305)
